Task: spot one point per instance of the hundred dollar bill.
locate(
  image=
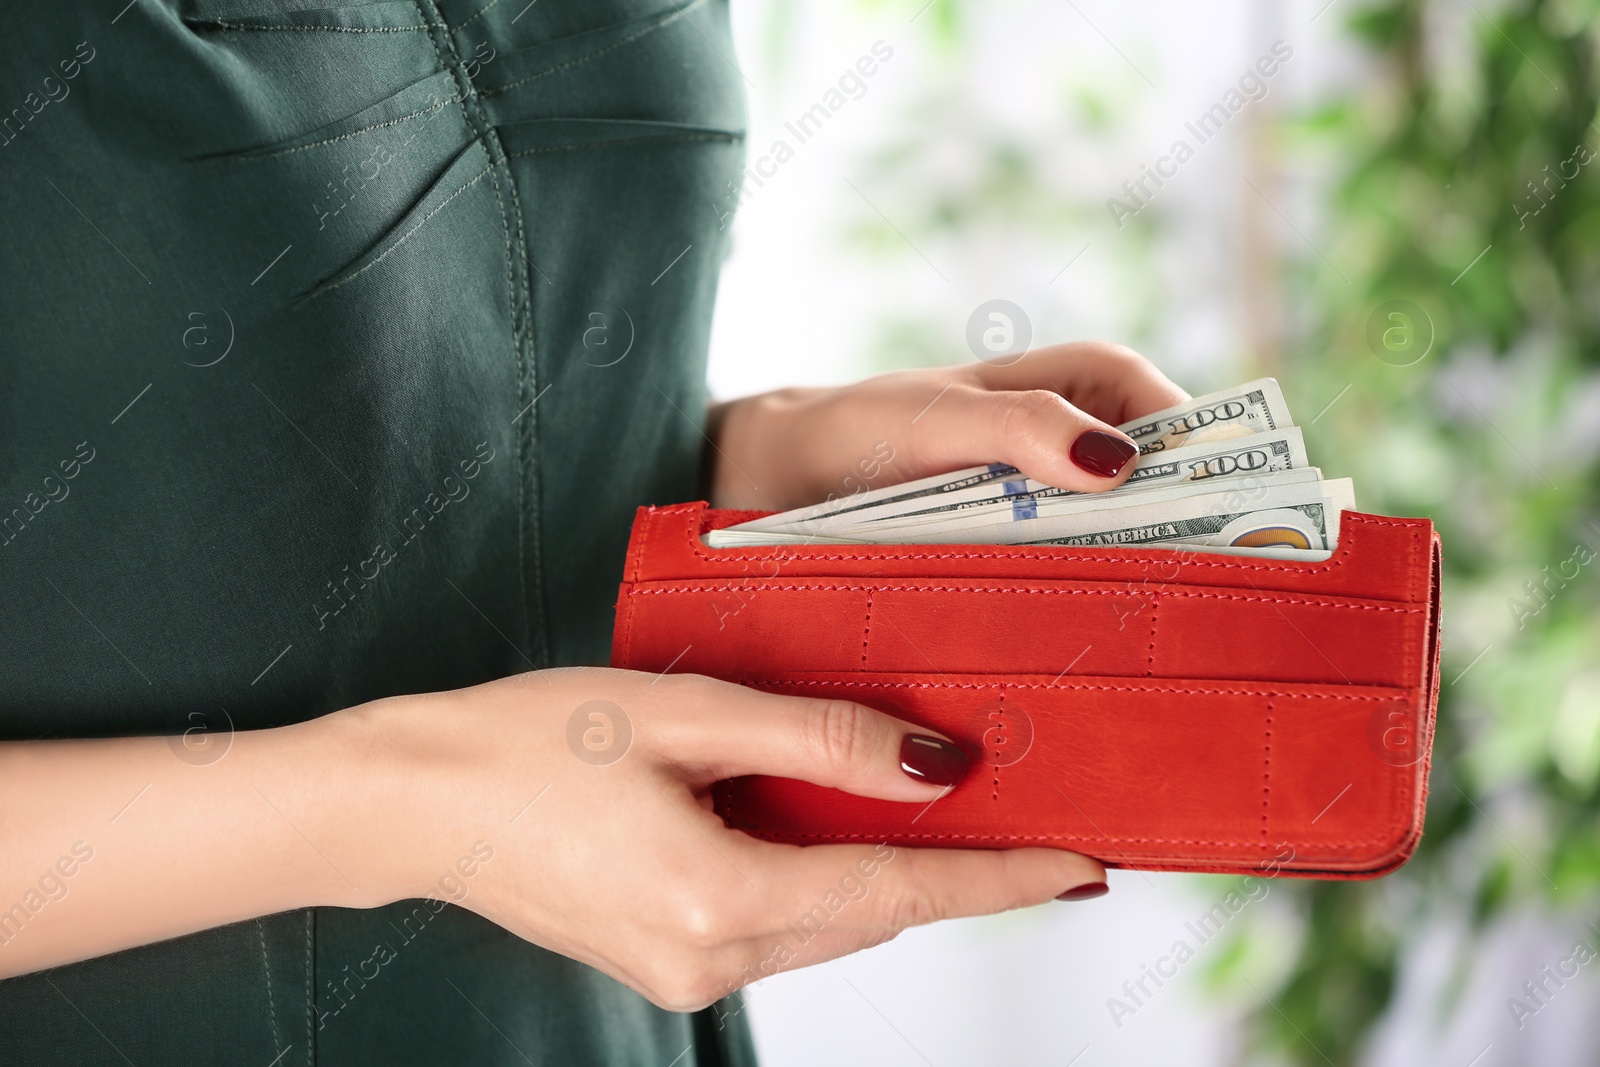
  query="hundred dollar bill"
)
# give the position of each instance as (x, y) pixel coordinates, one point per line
(1229, 492)
(1307, 531)
(1255, 455)
(1299, 520)
(1304, 517)
(922, 488)
(1254, 407)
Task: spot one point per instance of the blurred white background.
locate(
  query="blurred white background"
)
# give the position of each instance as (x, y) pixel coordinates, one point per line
(1060, 93)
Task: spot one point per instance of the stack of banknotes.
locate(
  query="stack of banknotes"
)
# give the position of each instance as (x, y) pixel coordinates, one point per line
(1226, 472)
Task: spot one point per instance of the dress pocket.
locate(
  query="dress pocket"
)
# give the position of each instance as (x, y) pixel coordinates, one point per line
(469, 167)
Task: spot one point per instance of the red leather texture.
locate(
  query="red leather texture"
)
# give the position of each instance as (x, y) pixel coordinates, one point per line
(1154, 709)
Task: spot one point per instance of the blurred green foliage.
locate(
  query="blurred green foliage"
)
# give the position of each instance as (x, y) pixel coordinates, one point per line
(1460, 172)
(1461, 187)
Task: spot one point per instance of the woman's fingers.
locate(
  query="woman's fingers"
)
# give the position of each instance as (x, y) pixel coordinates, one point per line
(728, 730)
(1035, 430)
(1110, 382)
(795, 907)
(1052, 414)
(867, 888)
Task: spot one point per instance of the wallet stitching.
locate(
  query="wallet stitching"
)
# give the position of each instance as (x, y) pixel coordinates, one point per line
(1310, 600)
(1230, 843)
(638, 559)
(1416, 571)
(1416, 709)
(699, 550)
(1000, 736)
(866, 631)
(1161, 683)
(1399, 785)
(627, 645)
(1150, 657)
(1266, 775)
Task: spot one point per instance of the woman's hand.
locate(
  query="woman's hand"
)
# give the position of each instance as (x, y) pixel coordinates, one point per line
(479, 797)
(624, 866)
(1051, 414)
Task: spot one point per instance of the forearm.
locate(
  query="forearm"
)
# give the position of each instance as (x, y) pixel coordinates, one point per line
(109, 844)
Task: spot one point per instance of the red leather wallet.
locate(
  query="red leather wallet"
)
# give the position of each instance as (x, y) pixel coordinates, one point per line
(1157, 710)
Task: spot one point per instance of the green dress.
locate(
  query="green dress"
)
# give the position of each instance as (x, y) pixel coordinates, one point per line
(339, 345)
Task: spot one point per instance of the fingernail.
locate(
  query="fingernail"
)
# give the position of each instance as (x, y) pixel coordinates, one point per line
(1086, 891)
(1102, 453)
(932, 759)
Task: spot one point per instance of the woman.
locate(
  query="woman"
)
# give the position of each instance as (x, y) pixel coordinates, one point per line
(341, 345)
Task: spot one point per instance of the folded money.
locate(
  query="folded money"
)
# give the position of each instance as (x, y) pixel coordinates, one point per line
(1225, 472)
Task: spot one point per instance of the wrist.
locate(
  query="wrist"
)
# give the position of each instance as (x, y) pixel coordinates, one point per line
(355, 800)
(426, 793)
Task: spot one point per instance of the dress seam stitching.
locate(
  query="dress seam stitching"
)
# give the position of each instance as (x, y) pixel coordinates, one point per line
(311, 986)
(528, 537)
(251, 157)
(661, 21)
(729, 138)
(261, 27)
(272, 1000)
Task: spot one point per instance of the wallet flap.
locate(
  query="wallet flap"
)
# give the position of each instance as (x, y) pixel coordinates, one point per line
(1378, 557)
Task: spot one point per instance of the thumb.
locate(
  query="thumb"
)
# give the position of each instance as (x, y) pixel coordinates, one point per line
(835, 743)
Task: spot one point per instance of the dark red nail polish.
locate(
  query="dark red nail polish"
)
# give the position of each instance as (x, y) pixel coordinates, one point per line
(932, 759)
(1086, 891)
(1102, 453)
